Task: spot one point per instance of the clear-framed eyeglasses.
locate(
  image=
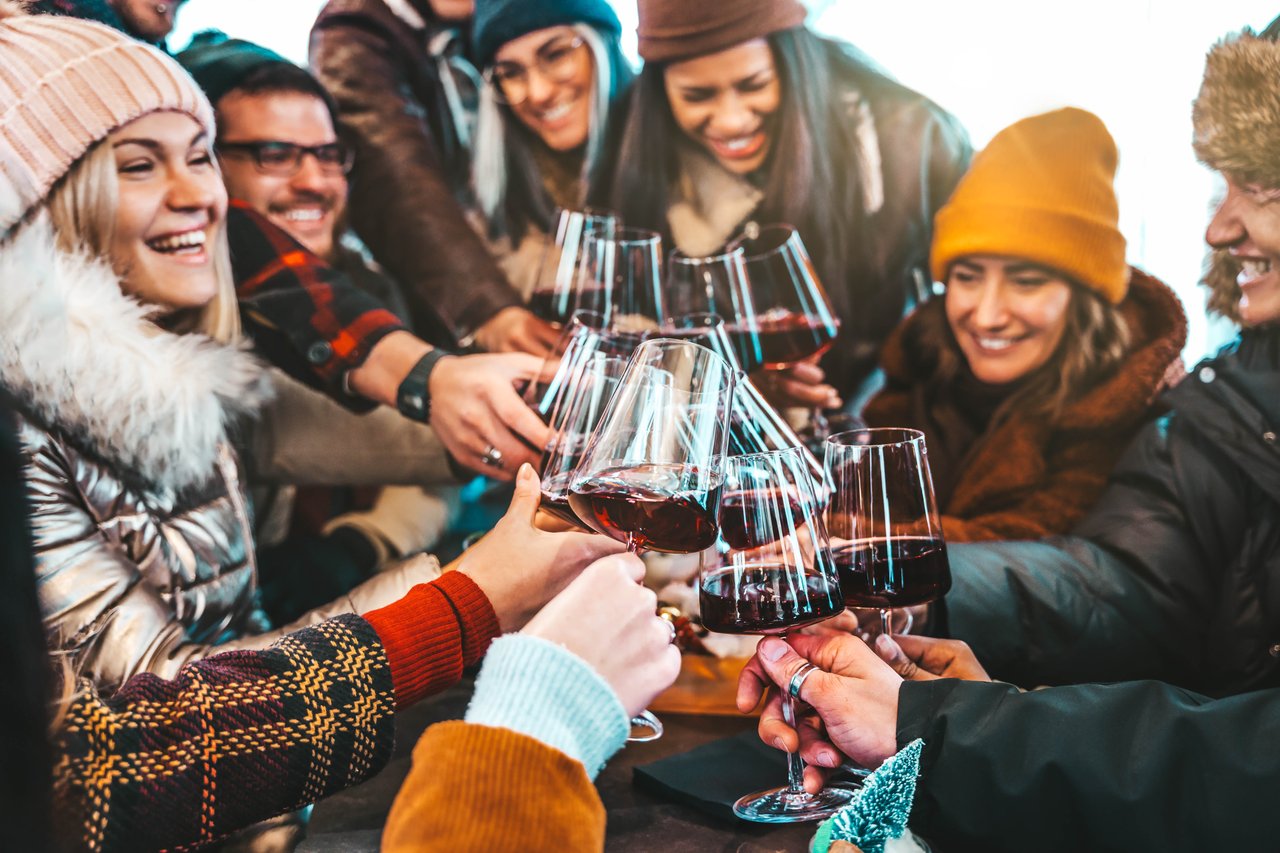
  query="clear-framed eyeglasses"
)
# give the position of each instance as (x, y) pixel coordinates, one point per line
(557, 60)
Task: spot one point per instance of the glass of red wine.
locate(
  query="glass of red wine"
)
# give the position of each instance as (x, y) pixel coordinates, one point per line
(886, 537)
(575, 417)
(653, 469)
(556, 293)
(622, 268)
(774, 574)
(784, 317)
(587, 333)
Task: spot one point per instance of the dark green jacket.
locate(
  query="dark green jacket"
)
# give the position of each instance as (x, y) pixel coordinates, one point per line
(1174, 576)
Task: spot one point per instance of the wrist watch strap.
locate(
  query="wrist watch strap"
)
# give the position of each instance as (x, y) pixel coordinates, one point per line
(412, 397)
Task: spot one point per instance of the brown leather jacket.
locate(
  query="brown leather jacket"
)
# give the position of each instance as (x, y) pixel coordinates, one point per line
(383, 68)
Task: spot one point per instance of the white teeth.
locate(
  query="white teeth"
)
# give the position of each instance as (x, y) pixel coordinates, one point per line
(738, 144)
(1251, 269)
(995, 343)
(304, 214)
(557, 112)
(178, 242)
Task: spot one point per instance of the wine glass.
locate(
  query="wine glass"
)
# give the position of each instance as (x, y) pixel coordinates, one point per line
(555, 292)
(652, 471)
(755, 425)
(623, 268)
(886, 537)
(714, 284)
(774, 573)
(785, 317)
(587, 332)
(576, 415)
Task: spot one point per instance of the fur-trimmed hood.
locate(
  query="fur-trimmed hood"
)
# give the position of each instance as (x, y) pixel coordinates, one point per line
(82, 358)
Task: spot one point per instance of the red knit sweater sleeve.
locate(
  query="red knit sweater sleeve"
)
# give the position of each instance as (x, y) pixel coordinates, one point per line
(432, 633)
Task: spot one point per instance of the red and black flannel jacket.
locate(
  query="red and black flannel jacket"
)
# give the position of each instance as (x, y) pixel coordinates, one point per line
(305, 317)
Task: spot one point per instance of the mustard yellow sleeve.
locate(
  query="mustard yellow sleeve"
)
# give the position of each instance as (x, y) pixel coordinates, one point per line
(480, 788)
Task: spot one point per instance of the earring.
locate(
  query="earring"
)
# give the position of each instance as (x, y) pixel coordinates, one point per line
(161, 8)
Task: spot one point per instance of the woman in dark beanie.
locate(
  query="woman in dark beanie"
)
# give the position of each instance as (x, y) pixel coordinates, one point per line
(743, 114)
(554, 71)
(1042, 360)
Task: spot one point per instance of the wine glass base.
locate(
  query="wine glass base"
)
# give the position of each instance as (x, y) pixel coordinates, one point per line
(780, 805)
(645, 727)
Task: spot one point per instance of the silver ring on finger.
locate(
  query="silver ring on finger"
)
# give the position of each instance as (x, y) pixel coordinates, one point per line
(492, 456)
(797, 680)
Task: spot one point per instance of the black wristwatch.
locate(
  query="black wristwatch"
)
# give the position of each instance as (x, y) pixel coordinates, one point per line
(412, 397)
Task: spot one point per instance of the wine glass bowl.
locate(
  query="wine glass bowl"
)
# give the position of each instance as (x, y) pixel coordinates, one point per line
(622, 269)
(652, 473)
(556, 292)
(883, 519)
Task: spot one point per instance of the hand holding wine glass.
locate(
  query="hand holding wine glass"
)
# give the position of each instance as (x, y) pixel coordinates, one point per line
(774, 574)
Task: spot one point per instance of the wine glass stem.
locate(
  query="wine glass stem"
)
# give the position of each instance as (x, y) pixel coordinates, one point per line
(818, 424)
(795, 764)
(886, 621)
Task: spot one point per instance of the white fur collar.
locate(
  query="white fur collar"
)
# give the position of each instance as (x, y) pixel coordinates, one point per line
(82, 357)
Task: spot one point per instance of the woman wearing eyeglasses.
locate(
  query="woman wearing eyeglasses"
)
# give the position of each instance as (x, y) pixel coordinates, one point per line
(744, 114)
(553, 70)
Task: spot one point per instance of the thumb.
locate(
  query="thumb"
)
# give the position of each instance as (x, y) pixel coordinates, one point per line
(891, 653)
(780, 662)
(524, 503)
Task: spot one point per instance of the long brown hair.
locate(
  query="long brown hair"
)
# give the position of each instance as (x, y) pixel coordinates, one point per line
(1094, 343)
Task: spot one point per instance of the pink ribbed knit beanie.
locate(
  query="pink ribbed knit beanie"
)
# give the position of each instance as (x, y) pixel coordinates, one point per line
(65, 84)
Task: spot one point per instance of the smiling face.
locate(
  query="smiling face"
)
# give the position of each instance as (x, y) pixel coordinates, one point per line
(1247, 225)
(1007, 315)
(551, 74)
(171, 207)
(308, 204)
(726, 102)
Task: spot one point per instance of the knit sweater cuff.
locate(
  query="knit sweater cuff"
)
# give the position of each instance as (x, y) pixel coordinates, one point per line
(543, 690)
(432, 632)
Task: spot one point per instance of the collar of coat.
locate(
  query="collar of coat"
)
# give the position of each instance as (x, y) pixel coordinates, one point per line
(83, 358)
(1158, 329)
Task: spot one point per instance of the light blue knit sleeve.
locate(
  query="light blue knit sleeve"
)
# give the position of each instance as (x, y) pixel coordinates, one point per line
(545, 691)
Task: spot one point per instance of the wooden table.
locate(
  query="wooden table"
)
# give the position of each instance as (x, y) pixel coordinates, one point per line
(351, 822)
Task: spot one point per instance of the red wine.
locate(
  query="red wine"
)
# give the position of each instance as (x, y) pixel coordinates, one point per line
(557, 306)
(647, 507)
(558, 505)
(893, 573)
(766, 599)
(754, 518)
(782, 338)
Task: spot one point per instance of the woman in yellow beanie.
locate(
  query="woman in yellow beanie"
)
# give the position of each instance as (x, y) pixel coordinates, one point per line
(1046, 353)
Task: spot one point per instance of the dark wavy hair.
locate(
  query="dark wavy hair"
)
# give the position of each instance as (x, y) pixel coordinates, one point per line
(810, 177)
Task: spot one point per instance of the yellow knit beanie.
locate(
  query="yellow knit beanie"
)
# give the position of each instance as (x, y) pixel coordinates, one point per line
(1042, 191)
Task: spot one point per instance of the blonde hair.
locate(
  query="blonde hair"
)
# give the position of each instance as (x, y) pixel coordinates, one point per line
(82, 206)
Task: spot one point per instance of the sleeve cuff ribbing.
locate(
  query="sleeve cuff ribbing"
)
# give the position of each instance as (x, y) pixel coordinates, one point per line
(545, 691)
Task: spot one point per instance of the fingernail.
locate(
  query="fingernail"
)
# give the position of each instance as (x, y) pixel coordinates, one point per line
(525, 471)
(885, 644)
(827, 758)
(771, 650)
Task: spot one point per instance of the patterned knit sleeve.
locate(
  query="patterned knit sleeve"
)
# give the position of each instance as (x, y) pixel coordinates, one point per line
(233, 739)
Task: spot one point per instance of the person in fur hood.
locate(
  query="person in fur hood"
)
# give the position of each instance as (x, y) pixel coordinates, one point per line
(121, 353)
(1155, 624)
(1046, 353)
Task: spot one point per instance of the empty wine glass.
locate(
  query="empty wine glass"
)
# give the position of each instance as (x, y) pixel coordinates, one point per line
(622, 267)
(883, 519)
(556, 293)
(715, 284)
(785, 317)
(774, 573)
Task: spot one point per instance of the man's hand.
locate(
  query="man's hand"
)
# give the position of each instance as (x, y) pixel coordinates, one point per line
(854, 695)
(926, 658)
(799, 385)
(516, 329)
(474, 406)
(520, 567)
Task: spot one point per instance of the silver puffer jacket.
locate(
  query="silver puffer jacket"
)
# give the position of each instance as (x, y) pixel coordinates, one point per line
(144, 552)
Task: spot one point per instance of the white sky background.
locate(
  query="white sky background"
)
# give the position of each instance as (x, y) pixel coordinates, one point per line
(1136, 63)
